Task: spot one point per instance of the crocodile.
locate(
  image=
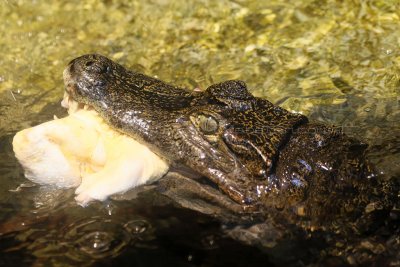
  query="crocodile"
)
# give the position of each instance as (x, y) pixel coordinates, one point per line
(264, 158)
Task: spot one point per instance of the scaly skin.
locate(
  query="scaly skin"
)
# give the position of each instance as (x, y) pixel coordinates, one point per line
(260, 155)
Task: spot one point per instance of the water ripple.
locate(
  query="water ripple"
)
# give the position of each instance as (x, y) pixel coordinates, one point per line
(136, 227)
(96, 238)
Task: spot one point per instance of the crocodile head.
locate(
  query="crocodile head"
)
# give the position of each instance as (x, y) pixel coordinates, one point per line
(255, 152)
(223, 133)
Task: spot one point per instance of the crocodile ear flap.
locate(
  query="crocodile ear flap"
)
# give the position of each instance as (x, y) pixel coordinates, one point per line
(233, 93)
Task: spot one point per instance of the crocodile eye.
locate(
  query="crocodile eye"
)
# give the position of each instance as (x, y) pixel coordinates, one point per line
(207, 124)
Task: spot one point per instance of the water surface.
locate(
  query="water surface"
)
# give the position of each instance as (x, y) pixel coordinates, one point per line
(335, 61)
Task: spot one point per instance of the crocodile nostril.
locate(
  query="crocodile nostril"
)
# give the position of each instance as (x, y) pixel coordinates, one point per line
(89, 63)
(96, 66)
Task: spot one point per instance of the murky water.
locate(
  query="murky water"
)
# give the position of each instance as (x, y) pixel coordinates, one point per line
(336, 61)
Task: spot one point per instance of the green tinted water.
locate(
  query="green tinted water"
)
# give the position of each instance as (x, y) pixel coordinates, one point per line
(335, 61)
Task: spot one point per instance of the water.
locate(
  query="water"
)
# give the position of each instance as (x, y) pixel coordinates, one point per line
(335, 61)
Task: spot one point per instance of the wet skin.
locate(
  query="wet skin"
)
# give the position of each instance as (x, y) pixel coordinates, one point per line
(258, 154)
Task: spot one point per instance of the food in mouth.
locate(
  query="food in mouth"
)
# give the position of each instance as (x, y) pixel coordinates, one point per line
(82, 151)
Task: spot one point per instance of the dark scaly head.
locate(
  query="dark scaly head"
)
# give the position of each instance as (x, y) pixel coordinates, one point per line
(255, 130)
(88, 79)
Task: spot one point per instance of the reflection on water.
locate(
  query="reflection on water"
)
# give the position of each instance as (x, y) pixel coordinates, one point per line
(336, 61)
